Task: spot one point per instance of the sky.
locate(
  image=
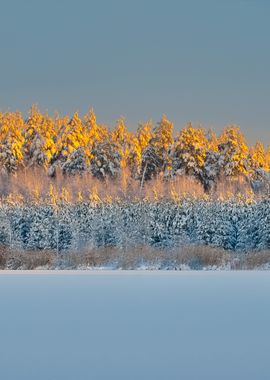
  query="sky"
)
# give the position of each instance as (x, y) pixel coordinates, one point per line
(201, 61)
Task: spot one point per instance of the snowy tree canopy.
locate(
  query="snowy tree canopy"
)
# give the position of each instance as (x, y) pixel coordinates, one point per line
(62, 144)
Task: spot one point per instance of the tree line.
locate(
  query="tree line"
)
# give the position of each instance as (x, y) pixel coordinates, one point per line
(236, 225)
(79, 145)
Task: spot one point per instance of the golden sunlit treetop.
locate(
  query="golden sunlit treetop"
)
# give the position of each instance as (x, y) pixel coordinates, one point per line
(81, 144)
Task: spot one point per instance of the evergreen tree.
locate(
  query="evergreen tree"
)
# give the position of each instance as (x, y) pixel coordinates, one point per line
(140, 142)
(189, 153)
(234, 152)
(155, 156)
(106, 161)
(11, 141)
(76, 163)
(94, 133)
(257, 163)
(123, 140)
(40, 137)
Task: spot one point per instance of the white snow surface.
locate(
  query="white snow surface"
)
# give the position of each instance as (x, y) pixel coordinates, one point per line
(134, 325)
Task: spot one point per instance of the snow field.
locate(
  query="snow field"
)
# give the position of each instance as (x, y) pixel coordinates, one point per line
(134, 325)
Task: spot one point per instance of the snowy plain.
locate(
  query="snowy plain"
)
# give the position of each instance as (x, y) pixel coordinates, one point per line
(134, 325)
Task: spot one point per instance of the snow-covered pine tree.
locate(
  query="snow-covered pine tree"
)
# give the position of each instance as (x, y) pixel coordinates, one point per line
(155, 156)
(140, 142)
(234, 152)
(43, 229)
(123, 141)
(106, 161)
(40, 138)
(212, 169)
(94, 133)
(76, 163)
(261, 224)
(189, 153)
(258, 167)
(11, 142)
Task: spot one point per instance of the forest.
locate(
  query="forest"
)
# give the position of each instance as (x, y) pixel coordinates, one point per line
(80, 145)
(70, 184)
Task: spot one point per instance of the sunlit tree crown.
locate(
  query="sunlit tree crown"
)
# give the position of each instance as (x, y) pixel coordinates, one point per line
(233, 147)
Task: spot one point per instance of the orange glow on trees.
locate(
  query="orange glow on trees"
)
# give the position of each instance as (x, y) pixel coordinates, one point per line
(80, 145)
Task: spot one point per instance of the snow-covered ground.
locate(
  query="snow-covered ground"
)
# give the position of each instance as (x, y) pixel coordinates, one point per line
(134, 325)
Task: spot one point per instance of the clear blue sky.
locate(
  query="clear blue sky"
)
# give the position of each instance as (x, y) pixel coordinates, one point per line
(202, 61)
